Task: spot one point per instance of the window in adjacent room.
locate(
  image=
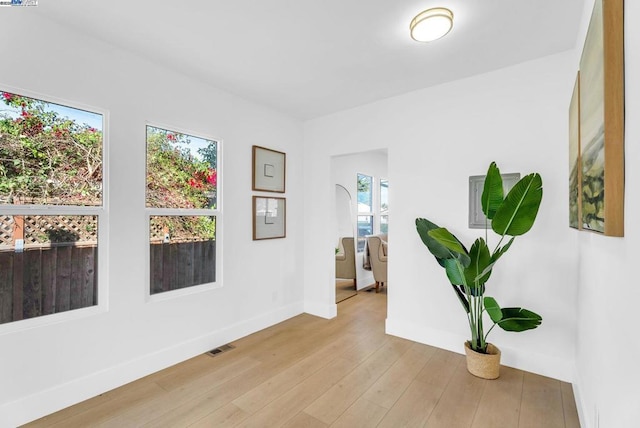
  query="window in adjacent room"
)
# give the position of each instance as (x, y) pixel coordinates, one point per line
(51, 207)
(384, 206)
(365, 209)
(183, 208)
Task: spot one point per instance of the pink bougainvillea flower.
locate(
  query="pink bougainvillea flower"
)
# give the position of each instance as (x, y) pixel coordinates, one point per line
(7, 96)
(212, 178)
(171, 137)
(92, 129)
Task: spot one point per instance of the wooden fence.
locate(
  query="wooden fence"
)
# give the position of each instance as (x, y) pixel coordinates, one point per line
(42, 281)
(181, 265)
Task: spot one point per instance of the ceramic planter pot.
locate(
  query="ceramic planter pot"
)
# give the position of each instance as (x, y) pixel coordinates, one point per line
(485, 366)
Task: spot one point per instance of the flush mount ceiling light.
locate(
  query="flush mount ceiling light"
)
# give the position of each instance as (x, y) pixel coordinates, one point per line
(431, 24)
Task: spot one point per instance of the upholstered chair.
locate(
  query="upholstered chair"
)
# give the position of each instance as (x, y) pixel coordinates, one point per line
(378, 258)
(346, 260)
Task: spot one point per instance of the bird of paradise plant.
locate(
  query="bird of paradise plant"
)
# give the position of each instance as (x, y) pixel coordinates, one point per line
(469, 270)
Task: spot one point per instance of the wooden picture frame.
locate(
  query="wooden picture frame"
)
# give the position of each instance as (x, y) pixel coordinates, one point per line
(601, 121)
(269, 217)
(269, 170)
(575, 164)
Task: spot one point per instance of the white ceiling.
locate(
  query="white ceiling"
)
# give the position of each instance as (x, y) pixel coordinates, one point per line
(309, 58)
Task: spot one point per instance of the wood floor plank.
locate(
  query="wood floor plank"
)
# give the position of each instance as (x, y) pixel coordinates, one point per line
(217, 371)
(282, 382)
(392, 384)
(499, 406)
(304, 420)
(175, 399)
(459, 401)
(100, 400)
(362, 414)
(211, 400)
(541, 403)
(440, 368)
(285, 407)
(227, 416)
(104, 411)
(337, 399)
(414, 406)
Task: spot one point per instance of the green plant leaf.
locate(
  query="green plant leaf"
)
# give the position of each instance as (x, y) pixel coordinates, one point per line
(480, 260)
(462, 298)
(446, 238)
(519, 319)
(495, 257)
(453, 244)
(493, 193)
(455, 271)
(518, 212)
(439, 251)
(501, 250)
(493, 309)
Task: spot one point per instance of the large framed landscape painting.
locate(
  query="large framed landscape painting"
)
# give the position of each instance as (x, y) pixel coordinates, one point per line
(600, 155)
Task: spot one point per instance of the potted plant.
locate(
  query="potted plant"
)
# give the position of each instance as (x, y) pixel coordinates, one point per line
(469, 270)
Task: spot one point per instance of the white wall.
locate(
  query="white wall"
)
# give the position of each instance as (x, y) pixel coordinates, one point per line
(344, 171)
(608, 349)
(50, 367)
(436, 139)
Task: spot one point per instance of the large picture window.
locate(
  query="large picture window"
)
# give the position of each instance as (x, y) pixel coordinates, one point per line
(51, 203)
(182, 201)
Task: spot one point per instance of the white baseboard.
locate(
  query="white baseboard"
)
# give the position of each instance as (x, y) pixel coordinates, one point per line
(541, 364)
(43, 403)
(321, 310)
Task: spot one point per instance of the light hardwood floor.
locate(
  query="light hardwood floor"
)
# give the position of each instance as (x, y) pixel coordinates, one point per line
(311, 372)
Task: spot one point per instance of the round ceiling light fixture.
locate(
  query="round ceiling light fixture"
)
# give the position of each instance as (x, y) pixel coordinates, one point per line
(431, 24)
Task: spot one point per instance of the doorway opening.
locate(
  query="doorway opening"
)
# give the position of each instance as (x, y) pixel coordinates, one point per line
(362, 183)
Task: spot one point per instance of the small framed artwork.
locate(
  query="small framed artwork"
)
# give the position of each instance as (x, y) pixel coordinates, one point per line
(269, 218)
(477, 219)
(269, 170)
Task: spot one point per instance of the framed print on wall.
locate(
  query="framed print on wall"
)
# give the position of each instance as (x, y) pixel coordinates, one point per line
(269, 218)
(601, 121)
(269, 170)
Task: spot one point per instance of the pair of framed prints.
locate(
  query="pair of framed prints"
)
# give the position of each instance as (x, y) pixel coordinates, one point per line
(269, 212)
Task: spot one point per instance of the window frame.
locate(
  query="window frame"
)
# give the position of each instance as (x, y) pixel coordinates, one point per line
(101, 212)
(379, 205)
(208, 212)
(370, 213)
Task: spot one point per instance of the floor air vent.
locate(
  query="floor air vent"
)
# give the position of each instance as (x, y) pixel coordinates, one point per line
(220, 350)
